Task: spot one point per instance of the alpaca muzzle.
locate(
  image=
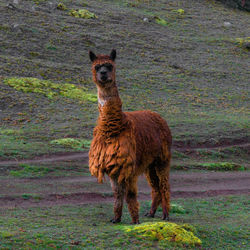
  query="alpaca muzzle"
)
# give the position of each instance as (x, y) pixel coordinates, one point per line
(104, 78)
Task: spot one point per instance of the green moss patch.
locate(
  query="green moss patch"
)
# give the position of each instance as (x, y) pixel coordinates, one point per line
(180, 11)
(166, 231)
(223, 166)
(50, 89)
(160, 20)
(82, 13)
(77, 144)
(242, 41)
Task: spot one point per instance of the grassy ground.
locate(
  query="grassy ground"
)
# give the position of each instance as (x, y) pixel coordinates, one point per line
(220, 222)
(192, 70)
(176, 58)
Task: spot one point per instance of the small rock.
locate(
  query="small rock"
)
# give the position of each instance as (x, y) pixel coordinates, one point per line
(16, 1)
(145, 19)
(11, 6)
(16, 25)
(227, 24)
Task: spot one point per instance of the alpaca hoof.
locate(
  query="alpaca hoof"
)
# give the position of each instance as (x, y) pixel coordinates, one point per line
(135, 222)
(115, 220)
(149, 215)
(165, 217)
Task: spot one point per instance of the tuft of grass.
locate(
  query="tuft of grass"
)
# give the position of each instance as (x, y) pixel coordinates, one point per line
(9, 131)
(6, 235)
(78, 144)
(26, 196)
(177, 209)
(242, 41)
(223, 166)
(82, 13)
(28, 171)
(31, 196)
(61, 6)
(174, 208)
(166, 231)
(50, 89)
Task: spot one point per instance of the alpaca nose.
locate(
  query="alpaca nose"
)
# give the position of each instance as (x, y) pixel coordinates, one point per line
(104, 76)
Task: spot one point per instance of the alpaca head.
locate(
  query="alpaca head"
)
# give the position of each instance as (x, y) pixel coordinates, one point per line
(103, 69)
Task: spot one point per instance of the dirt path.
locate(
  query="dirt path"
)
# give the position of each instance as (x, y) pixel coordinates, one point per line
(67, 156)
(83, 156)
(85, 190)
(52, 191)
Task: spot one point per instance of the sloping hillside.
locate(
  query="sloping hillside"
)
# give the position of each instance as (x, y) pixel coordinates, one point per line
(186, 60)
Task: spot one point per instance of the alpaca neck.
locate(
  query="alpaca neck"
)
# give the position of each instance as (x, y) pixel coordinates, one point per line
(111, 117)
(107, 94)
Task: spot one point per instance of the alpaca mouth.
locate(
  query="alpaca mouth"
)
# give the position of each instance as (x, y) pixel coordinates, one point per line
(104, 78)
(104, 81)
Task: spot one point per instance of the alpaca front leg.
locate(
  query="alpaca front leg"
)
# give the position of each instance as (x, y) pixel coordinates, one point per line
(131, 199)
(119, 191)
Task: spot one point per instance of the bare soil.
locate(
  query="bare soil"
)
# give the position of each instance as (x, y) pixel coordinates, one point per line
(87, 190)
(187, 71)
(51, 191)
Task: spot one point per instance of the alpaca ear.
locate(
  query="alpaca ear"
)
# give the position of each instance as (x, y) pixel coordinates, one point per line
(113, 55)
(92, 56)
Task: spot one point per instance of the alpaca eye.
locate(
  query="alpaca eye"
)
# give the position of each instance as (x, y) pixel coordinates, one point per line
(109, 67)
(97, 67)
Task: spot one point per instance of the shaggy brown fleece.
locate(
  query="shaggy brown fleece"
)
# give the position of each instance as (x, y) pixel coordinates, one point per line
(128, 144)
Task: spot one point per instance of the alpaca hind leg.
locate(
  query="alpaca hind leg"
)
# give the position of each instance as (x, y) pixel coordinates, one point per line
(131, 199)
(153, 181)
(163, 175)
(119, 191)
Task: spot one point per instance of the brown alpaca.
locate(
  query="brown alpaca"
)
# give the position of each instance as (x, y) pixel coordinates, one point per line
(128, 144)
